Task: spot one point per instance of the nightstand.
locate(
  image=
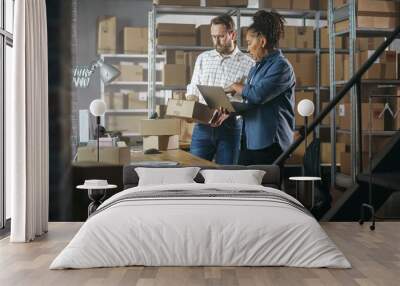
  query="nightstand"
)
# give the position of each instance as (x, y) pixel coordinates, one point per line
(96, 195)
(307, 181)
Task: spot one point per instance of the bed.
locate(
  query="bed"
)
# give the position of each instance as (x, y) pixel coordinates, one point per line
(201, 224)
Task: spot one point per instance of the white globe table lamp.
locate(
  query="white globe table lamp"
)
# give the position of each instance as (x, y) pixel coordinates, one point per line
(305, 108)
(98, 108)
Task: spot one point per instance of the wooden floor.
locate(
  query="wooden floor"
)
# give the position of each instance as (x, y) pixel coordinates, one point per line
(375, 257)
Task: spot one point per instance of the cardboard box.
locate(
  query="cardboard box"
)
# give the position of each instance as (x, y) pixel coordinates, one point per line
(130, 72)
(339, 71)
(364, 44)
(126, 123)
(135, 40)
(177, 2)
(204, 36)
(378, 124)
(176, 34)
(136, 100)
(172, 29)
(289, 37)
(107, 35)
(286, 4)
(179, 94)
(174, 75)
(379, 22)
(378, 142)
(177, 40)
(175, 57)
(377, 6)
(276, 4)
(117, 100)
(190, 61)
(226, 3)
(111, 155)
(304, 68)
(189, 109)
(150, 127)
(326, 152)
(304, 37)
(324, 37)
(383, 68)
(300, 95)
(301, 4)
(163, 142)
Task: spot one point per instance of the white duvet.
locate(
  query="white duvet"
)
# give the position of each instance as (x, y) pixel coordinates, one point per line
(200, 231)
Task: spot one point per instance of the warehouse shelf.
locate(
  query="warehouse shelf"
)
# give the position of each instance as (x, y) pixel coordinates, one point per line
(284, 50)
(364, 32)
(348, 12)
(189, 10)
(238, 13)
(127, 110)
(144, 83)
(183, 48)
(373, 132)
(310, 88)
(379, 82)
(131, 56)
(246, 12)
(172, 87)
(294, 14)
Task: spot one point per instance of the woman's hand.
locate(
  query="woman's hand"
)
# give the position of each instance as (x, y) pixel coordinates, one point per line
(237, 87)
(219, 118)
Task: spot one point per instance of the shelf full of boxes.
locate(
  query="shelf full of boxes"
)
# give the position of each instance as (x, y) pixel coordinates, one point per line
(362, 25)
(125, 97)
(306, 47)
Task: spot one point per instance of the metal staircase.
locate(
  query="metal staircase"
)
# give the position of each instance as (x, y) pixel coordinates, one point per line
(383, 176)
(384, 179)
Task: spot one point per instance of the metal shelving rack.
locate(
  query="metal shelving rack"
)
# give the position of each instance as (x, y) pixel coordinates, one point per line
(126, 84)
(153, 48)
(335, 15)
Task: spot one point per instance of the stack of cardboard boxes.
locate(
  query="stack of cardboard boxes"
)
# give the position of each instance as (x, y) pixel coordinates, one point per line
(161, 134)
(381, 14)
(385, 66)
(179, 67)
(176, 34)
(134, 40)
(126, 99)
(287, 4)
(107, 35)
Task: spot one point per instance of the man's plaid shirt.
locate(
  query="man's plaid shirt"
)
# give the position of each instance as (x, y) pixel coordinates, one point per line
(213, 69)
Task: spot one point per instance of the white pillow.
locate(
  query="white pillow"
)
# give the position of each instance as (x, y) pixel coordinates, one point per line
(166, 176)
(247, 177)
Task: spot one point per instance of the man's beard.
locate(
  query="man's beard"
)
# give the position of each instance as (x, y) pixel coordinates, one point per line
(224, 49)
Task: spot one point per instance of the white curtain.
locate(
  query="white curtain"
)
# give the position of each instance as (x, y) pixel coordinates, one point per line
(27, 144)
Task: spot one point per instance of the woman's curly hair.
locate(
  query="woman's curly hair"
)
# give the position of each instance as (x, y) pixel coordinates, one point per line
(270, 25)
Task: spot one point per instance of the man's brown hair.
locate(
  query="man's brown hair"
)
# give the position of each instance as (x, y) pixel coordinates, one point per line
(225, 20)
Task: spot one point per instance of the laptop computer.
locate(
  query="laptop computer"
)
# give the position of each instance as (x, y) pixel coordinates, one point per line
(216, 97)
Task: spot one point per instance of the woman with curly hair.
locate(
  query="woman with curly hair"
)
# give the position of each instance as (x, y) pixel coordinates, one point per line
(269, 90)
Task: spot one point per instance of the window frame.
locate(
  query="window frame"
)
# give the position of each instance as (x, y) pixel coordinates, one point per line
(6, 39)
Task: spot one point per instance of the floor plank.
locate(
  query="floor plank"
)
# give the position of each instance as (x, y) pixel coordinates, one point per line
(375, 257)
